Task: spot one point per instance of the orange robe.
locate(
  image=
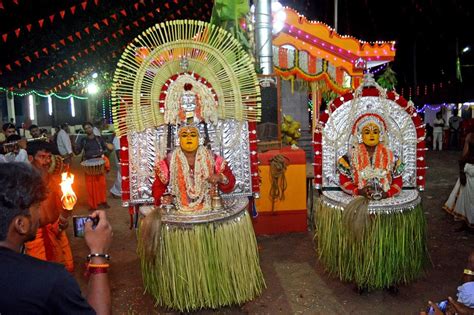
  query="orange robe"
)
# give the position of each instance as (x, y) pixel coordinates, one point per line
(97, 187)
(50, 243)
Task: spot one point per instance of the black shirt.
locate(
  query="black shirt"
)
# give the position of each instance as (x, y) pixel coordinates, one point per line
(93, 148)
(32, 286)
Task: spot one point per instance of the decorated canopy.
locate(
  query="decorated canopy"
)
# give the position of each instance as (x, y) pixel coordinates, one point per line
(313, 51)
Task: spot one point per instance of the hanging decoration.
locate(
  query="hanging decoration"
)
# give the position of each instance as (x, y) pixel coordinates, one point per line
(2, 89)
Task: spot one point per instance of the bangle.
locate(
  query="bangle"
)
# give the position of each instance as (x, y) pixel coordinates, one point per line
(90, 256)
(469, 272)
(98, 266)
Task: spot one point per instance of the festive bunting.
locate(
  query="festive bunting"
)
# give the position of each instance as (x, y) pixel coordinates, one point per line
(45, 50)
(73, 9)
(136, 6)
(87, 30)
(17, 32)
(114, 16)
(51, 18)
(17, 62)
(54, 46)
(28, 27)
(96, 25)
(105, 21)
(78, 34)
(40, 22)
(84, 5)
(62, 13)
(27, 58)
(63, 42)
(96, 2)
(123, 12)
(36, 53)
(5, 36)
(15, 2)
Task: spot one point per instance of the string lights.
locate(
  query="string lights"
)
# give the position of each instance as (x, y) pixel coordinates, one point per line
(438, 107)
(2, 89)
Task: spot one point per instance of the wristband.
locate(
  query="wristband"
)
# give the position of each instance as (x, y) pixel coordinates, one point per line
(97, 270)
(469, 272)
(90, 256)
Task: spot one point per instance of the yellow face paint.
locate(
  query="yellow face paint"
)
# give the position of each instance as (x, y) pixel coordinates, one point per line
(371, 134)
(189, 139)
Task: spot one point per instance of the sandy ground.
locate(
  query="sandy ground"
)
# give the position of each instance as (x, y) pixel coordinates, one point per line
(296, 281)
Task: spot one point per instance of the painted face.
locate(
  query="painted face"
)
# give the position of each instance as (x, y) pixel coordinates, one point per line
(189, 139)
(371, 134)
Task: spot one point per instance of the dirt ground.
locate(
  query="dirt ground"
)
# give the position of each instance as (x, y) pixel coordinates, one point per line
(296, 281)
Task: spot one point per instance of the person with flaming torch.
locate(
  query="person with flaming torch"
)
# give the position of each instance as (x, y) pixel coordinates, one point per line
(52, 243)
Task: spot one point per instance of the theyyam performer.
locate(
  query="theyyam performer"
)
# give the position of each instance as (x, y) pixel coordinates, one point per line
(185, 107)
(370, 166)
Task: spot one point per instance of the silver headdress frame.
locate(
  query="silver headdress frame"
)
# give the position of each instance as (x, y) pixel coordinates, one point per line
(338, 139)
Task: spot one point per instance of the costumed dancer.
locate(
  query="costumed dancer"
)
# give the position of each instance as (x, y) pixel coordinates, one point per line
(461, 200)
(371, 233)
(371, 171)
(193, 173)
(95, 165)
(51, 242)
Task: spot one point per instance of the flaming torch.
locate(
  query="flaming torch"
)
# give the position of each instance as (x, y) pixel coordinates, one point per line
(68, 198)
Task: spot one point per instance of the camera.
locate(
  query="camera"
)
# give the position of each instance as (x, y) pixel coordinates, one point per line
(79, 224)
(443, 305)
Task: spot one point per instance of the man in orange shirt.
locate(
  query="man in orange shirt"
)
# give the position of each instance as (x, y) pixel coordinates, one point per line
(51, 243)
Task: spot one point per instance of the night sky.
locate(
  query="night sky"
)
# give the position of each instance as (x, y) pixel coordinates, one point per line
(427, 33)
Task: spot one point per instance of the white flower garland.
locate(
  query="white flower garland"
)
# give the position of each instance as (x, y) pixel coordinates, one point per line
(197, 186)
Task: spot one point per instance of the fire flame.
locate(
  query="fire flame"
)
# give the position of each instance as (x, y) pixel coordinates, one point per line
(68, 198)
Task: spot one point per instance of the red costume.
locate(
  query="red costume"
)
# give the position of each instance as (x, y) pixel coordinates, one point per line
(361, 169)
(162, 179)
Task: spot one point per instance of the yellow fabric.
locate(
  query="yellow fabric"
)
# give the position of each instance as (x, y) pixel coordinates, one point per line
(295, 194)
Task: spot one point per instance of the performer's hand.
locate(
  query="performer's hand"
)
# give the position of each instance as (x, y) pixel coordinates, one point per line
(98, 239)
(166, 199)
(214, 179)
(364, 192)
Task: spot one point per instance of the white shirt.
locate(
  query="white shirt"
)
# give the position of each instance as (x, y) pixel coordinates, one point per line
(22, 156)
(438, 121)
(64, 143)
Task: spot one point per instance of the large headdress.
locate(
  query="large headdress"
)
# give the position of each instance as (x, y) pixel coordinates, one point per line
(365, 119)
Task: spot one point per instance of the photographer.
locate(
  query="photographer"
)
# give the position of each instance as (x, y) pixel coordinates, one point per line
(32, 286)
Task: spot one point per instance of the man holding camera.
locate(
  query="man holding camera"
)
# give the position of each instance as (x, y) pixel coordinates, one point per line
(32, 286)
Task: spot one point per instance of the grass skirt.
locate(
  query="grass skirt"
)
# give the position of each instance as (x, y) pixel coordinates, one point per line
(391, 251)
(205, 265)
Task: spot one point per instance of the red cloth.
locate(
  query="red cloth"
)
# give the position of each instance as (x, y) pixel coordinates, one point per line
(159, 188)
(351, 188)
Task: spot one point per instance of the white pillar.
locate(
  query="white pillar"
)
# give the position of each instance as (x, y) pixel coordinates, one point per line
(10, 106)
(263, 35)
(32, 114)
